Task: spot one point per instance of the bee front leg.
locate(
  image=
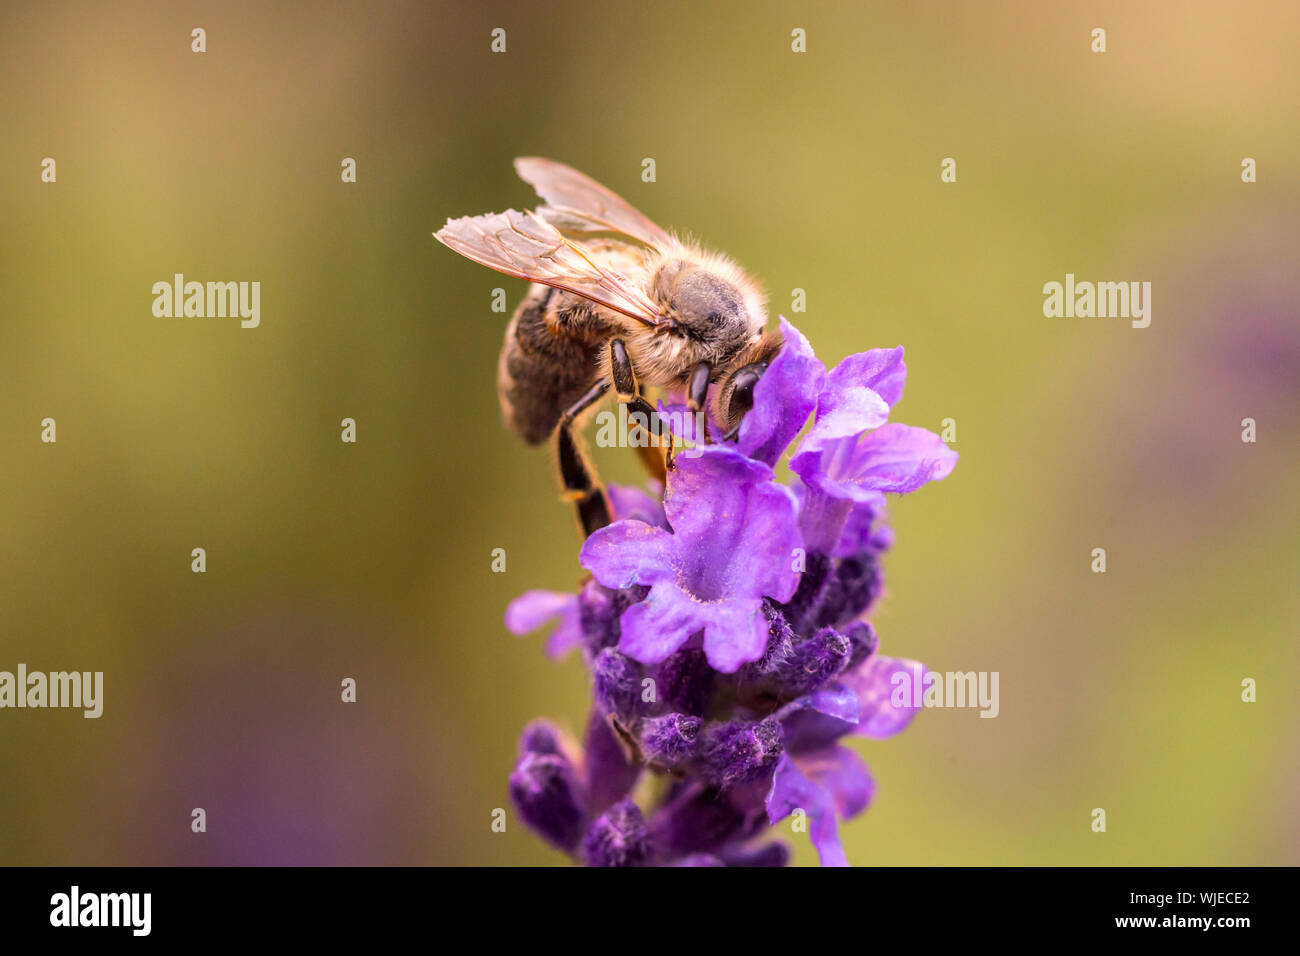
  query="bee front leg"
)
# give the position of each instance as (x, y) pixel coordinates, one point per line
(629, 394)
(651, 456)
(581, 486)
(697, 398)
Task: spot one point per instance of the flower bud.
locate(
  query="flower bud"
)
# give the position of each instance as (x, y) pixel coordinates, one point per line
(544, 789)
(740, 750)
(856, 585)
(617, 684)
(617, 838)
(863, 640)
(670, 739)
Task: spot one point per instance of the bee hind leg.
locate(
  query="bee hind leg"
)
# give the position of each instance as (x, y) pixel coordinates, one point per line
(581, 486)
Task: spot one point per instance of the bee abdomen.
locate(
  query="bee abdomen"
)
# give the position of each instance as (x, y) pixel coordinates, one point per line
(542, 371)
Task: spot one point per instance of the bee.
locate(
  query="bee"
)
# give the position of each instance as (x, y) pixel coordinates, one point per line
(615, 303)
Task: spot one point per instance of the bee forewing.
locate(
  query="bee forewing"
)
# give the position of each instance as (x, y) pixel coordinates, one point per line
(576, 198)
(521, 244)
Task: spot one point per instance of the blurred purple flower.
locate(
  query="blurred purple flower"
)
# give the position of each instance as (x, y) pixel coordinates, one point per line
(533, 609)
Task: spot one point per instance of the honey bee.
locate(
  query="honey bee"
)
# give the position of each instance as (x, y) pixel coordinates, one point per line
(617, 302)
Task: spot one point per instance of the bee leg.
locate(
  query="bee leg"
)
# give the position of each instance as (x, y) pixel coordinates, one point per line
(580, 483)
(650, 456)
(697, 397)
(629, 393)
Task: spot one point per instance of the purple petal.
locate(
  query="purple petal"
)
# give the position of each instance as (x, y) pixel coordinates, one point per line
(880, 370)
(702, 488)
(626, 553)
(735, 630)
(895, 458)
(843, 774)
(821, 469)
(532, 609)
(791, 791)
(657, 626)
(630, 502)
(899, 458)
(733, 542)
(890, 693)
(847, 412)
(735, 634)
(735, 530)
(857, 397)
(783, 398)
(835, 700)
(817, 720)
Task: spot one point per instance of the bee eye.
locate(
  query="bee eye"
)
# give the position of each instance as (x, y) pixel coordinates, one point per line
(742, 397)
(742, 390)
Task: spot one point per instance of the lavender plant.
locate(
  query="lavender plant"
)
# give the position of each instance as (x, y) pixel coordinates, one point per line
(724, 629)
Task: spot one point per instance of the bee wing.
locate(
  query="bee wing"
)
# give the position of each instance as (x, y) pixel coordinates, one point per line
(523, 245)
(578, 203)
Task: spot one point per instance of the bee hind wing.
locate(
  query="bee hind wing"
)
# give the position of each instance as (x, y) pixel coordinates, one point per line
(577, 203)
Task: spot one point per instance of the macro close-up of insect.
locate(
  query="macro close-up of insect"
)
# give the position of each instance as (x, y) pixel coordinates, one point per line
(616, 302)
(812, 396)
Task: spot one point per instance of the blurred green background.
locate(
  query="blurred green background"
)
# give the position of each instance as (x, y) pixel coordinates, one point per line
(818, 171)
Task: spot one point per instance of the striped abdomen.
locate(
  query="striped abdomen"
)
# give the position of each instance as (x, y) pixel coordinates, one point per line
(548, 360)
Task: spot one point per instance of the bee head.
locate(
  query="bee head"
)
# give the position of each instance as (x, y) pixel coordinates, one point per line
(708, 304)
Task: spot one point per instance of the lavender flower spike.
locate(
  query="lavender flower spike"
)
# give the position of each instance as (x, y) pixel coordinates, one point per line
(725, 634)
